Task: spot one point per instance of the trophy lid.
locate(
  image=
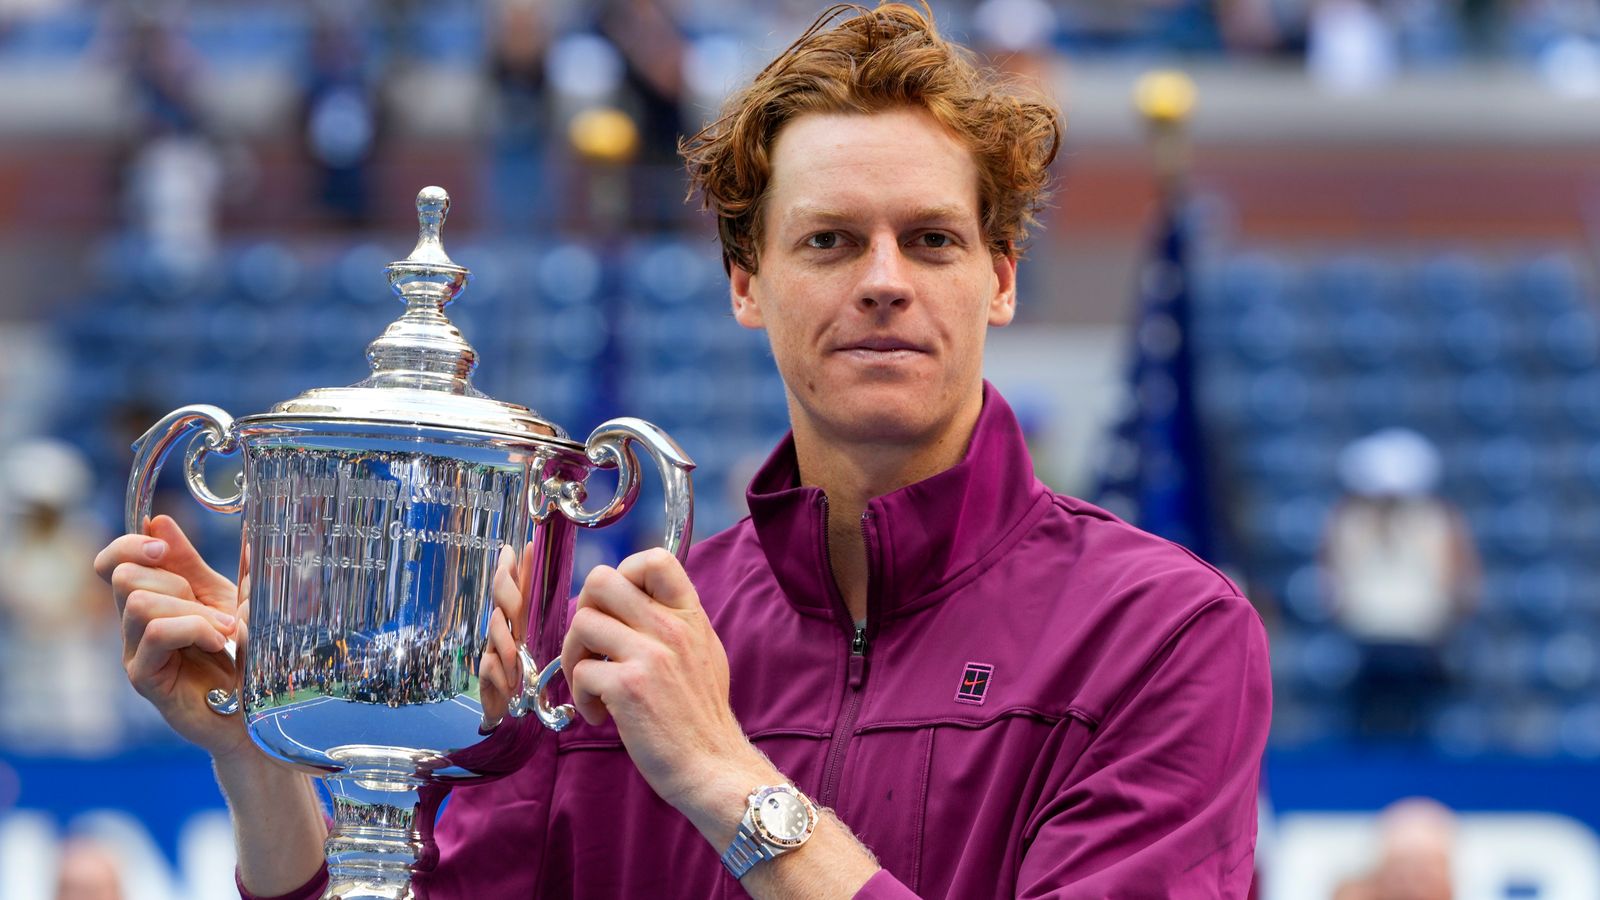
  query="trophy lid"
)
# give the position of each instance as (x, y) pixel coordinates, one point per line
(421, 365)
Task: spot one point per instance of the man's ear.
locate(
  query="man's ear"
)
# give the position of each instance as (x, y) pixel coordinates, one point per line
(1003, 306)
(741, 284)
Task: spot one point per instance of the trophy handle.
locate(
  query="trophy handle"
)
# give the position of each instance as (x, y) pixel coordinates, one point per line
(149, 453)
(151, 450)
(535, 694)
(610, 446)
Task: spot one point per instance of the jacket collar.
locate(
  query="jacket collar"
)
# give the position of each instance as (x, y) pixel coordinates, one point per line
(921, 538)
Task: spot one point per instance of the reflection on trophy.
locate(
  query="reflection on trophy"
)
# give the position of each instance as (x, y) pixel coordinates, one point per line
(374, 519)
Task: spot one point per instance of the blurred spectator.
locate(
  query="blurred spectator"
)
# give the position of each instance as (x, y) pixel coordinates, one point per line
(87, 871)
(520, 118)
(59, 684)
(340, 115)
(174, 173)
(1352, 46)
(653, 50)
(1016, 36)
(1414, 856)
(1402, 571)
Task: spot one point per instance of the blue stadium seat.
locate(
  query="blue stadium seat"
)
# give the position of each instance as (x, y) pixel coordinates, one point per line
(1528, 725)
(1462, 728)
(358, 275)
(1474, 338)
(1522, 528)
(1451, 283)
(1581, 402)
(1279, 397)
(1569, 661)
(569, 274)
(1328, 661)
(1266, 334)
(1487, 398)
(1580, 729)
(1543, 593)
(1351, 282)
(266, 273)
(1250, 280)
(1551, 283)
(1369, 337)
(675, 273)
(1504, 465)
(1571, 341)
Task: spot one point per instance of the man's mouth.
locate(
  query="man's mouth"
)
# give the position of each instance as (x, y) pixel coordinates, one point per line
(881, 345)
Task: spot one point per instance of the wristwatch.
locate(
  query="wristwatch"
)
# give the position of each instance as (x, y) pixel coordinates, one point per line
(777, 819)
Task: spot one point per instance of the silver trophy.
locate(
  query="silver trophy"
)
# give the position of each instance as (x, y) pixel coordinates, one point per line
(374, 518)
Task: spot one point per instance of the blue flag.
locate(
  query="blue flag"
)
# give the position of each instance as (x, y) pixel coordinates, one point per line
(1152, 469)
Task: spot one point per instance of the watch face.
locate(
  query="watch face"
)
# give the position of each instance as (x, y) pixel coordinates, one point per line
(783, 817)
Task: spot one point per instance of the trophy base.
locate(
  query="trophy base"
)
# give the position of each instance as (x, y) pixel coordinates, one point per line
(382, 826)
(359, 889)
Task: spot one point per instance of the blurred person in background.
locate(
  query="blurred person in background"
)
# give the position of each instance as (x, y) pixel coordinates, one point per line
(1402, 573)
(652, 46)
(87, 870)
(1015, 36)
(520, 114)
(57, 691)
(172, 180)
(341, 114)
(1416, 846)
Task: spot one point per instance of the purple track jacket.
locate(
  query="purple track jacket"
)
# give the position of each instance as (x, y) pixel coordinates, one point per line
(1045, 702)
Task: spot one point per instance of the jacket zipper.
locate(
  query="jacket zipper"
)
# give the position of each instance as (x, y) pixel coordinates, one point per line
(856, 672)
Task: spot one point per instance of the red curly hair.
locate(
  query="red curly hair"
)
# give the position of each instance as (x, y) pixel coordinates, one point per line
(875, 60)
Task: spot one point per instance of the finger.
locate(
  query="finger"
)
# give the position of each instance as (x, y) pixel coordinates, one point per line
(524, 573)
(492, 690)
(182, 558)
(504, 645)
(589, 680)
(660, 575)
(165, 637)
(147, 607)
(508, 598)
(129, 577)
(607, 590)
(595, 634)
(134, 548)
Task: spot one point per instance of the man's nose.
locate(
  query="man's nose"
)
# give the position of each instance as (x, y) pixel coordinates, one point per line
(886, 282)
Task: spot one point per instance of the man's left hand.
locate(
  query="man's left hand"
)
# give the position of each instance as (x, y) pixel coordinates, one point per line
(642, 651)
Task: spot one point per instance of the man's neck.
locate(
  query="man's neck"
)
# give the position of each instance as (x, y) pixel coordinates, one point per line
(851, 475)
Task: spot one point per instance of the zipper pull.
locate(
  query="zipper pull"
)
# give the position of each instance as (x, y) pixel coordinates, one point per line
(858, 658)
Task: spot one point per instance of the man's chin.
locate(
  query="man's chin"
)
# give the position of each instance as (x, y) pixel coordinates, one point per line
(879, 420)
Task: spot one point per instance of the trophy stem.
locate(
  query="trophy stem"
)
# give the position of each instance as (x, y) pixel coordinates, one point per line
(381, 829)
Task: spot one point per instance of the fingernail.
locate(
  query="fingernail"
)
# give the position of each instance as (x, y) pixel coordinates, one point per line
(154, 549)
(225, 620)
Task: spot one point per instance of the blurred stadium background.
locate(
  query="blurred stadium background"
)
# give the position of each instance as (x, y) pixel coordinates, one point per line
(1388, 217)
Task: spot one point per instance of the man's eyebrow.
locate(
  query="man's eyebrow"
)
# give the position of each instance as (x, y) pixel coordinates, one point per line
(808, 213)
(939, 214)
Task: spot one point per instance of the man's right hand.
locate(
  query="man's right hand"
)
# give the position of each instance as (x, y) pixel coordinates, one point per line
(177, 617)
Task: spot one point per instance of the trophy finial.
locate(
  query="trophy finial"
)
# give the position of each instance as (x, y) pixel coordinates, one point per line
(421, 348)
(433, 205)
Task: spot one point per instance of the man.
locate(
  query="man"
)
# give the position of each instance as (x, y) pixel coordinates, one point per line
(988, 689)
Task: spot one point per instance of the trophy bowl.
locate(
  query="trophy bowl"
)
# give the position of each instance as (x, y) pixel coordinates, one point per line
(375, 517)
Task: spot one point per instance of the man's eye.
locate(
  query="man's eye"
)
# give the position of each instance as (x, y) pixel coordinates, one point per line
(826, 240)
(935, 239)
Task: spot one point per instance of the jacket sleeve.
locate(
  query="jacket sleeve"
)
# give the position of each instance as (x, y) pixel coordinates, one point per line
(311, 890)
(1162, 800)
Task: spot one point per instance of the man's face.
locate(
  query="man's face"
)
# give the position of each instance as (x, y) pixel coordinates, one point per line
(876, 286)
